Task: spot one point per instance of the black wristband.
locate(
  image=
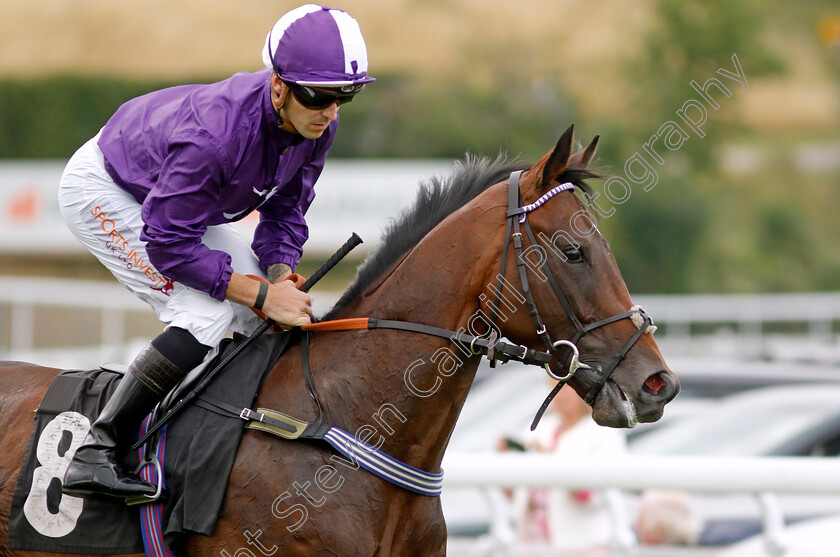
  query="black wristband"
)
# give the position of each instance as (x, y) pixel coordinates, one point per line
(261, 296)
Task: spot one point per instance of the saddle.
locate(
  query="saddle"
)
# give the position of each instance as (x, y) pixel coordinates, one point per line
(200, 449)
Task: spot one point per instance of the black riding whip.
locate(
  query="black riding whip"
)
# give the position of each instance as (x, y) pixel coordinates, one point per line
(348, 246)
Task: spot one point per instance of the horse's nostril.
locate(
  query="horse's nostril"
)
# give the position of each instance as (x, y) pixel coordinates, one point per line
(655, 383)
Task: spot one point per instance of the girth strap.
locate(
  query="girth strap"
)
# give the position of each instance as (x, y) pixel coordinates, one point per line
(307, 375)
(360, 453)
(357, 451)
(274, 422)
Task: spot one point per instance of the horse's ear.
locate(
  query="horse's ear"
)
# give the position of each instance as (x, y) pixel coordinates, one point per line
(589, 152)
(559, 158)
(582, 158)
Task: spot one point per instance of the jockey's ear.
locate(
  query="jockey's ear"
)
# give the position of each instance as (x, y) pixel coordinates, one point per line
(280, 90)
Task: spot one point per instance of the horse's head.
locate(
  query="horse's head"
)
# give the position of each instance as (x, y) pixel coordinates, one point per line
(578, 294)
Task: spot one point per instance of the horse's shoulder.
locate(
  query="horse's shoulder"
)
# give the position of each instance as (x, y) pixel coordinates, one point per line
(24, 384)
(27, 367)
(12, 372)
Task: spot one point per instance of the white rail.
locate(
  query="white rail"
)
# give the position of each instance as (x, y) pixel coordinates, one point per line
(814, 307)
(793, 326)
(764, 478)
(818, 476)
(738, 320)
(91, 294)
(22, 296)
(811, 307)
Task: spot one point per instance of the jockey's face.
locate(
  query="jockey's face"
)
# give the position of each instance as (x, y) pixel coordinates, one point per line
(310, 123)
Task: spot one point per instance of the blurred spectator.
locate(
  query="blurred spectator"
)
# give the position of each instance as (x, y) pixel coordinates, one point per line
(666, 518)
(567, 520)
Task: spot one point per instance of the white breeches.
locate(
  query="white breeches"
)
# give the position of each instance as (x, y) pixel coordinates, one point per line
(106, 220)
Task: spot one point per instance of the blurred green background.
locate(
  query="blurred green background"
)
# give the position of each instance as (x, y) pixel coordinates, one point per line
(749, 207)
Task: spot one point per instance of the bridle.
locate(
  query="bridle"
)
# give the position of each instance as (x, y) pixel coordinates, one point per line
(517, 220)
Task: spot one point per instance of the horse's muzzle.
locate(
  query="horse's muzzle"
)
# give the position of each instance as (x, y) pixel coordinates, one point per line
(623, 405)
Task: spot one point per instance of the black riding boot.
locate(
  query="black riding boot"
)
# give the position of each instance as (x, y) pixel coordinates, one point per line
(93, 469)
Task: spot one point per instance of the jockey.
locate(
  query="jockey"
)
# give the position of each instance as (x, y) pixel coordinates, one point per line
(154, 193)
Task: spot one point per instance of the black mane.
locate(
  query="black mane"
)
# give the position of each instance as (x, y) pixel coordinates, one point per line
(436, 199)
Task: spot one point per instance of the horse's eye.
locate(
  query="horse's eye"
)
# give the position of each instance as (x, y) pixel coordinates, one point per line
(573, 254)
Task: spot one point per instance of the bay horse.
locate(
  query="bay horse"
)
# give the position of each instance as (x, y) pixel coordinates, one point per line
(438, 265)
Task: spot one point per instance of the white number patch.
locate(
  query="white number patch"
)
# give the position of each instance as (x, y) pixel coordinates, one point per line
(53, 466)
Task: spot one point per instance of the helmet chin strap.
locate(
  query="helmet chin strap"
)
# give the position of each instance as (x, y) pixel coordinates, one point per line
(282, 123)
(280, 120)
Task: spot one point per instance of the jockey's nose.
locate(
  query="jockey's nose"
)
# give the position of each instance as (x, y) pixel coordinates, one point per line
(331, 111)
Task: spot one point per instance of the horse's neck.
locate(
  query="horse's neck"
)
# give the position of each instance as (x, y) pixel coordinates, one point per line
(401, 390)
(409, 386)
(416, 383)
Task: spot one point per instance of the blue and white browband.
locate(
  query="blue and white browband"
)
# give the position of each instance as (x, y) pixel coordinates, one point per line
(566, 186)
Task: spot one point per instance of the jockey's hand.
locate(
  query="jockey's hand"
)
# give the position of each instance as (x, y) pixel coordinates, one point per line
(286, 305)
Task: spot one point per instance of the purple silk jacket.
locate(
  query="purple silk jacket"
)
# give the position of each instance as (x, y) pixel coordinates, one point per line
(201, 155)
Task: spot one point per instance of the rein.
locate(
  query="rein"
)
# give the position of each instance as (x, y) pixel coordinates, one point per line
(491, 346)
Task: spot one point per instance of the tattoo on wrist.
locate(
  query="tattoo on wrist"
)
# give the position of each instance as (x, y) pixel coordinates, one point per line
(277, 271)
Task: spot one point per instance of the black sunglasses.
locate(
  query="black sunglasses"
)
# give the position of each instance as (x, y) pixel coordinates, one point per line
(316, 98)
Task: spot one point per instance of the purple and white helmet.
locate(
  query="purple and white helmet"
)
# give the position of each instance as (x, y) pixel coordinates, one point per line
(317, 46)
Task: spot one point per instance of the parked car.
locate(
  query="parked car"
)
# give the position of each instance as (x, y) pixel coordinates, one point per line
(789, 420)
(809, 538)
(705, 382)
(503, 401)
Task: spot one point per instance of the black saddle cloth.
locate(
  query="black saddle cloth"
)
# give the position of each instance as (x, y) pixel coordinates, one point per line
(200, 450)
